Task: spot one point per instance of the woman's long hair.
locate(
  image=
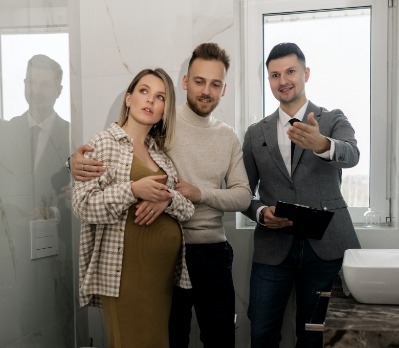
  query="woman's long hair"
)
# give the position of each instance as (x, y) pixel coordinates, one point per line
(163, 131)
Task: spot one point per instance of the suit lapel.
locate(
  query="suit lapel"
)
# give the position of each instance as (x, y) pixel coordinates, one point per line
(269, 130)
(299, 151)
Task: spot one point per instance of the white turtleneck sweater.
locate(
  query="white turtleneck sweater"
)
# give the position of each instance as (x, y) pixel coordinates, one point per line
(207, 154)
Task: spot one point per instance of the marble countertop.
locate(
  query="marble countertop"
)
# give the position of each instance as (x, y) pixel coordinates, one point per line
(349, 323)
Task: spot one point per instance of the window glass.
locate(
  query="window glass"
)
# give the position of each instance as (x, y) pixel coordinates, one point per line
(336, 45)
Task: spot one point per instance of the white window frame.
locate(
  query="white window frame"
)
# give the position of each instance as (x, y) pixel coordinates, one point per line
(251, 20)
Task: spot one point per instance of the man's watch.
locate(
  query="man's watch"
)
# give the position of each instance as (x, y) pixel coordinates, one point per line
(68, 164)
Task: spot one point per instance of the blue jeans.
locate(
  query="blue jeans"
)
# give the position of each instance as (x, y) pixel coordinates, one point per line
(271, 287)
(212, 295)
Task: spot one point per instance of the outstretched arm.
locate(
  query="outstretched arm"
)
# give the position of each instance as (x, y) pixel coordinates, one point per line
(308, 137)
(338, 136)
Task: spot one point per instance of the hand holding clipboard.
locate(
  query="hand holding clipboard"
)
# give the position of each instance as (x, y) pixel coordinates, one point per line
(308, 222)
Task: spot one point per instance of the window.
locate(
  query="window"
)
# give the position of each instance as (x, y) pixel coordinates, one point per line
(346, 47)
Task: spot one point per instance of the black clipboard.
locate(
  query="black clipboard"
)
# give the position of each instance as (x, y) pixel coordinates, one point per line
(307, 222)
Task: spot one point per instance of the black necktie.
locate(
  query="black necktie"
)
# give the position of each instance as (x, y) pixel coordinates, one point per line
(292, 121)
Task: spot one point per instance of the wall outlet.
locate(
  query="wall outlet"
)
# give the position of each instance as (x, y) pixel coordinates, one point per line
(44, 238)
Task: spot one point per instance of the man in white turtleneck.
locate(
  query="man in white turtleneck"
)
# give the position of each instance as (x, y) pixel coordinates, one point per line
(208, 157)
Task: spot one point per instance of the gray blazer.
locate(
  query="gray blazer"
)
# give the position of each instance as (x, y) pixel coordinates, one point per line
(314, 182)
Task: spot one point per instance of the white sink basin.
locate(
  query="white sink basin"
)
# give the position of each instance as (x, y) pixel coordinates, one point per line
(372, 275)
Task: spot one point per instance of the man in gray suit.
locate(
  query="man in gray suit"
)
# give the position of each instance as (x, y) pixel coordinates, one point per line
(324, 144)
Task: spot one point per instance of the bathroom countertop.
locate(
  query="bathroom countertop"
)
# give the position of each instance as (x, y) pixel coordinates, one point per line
(351, 324)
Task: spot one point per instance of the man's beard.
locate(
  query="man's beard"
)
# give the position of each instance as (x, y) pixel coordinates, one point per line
(193, 104)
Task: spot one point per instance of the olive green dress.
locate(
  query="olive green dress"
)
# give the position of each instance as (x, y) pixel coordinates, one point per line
(139, 317)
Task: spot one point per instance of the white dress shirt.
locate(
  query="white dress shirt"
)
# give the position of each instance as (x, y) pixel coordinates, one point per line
(284, 142)
(44, 135)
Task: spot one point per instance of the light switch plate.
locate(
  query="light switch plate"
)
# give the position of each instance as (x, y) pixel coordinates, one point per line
(44, 238)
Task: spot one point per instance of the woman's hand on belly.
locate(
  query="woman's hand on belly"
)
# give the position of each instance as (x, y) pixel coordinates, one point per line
(147, 212)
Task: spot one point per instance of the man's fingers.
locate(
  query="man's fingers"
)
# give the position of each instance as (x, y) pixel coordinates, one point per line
(311, 119)
(83, 178)
(87, 172)
(85, 148)
(92, 168)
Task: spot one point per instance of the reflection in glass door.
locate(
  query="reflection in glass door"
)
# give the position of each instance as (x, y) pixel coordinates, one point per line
(36, 259)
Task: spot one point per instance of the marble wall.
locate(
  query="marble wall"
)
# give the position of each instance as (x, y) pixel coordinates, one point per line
(116, 40)
(110, 42)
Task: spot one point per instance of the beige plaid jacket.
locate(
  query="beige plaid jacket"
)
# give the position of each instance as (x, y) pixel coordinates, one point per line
(102, 205)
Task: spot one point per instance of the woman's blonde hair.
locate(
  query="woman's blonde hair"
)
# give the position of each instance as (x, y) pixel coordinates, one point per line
(163, 131)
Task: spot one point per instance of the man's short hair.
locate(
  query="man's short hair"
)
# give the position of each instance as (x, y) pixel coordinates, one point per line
(285, 49)
(210, 51)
